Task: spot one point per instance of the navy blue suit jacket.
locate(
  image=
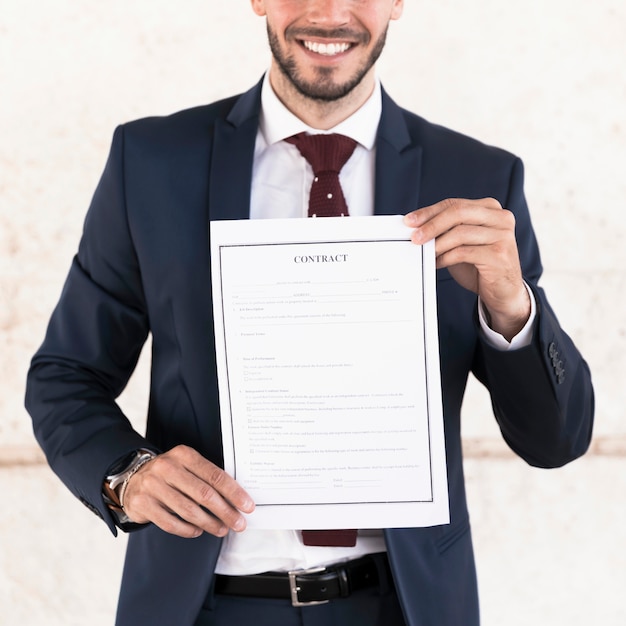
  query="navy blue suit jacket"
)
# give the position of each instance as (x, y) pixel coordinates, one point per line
(143, 266)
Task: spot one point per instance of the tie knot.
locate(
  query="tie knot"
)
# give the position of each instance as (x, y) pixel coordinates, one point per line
(324, 152)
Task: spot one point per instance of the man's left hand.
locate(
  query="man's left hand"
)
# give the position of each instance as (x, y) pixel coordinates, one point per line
(475, 240)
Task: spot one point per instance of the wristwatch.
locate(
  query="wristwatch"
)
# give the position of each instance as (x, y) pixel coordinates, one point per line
(116, 481)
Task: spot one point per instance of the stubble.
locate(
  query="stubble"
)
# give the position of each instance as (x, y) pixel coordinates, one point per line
(324, 89)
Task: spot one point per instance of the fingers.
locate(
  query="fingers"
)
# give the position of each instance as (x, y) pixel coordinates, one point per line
(212, 480)
(476, 232)
(468, 244)
(475, 240)
(433, 221)
(185, 494)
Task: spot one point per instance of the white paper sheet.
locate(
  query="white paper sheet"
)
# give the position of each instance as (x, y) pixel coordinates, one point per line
(328, 368)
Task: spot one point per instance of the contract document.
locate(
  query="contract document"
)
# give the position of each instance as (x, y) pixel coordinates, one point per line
(328, 371)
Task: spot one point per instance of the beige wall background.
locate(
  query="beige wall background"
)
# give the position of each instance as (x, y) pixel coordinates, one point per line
(546, 80)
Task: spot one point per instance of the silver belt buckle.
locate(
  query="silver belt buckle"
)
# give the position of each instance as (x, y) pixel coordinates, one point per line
(294, 589)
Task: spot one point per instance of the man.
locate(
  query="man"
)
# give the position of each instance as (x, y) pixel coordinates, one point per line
(143, 267)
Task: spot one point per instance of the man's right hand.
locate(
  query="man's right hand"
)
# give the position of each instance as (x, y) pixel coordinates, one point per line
(183, 493)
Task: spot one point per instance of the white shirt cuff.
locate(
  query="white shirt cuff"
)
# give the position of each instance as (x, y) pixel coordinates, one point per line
(521, 340)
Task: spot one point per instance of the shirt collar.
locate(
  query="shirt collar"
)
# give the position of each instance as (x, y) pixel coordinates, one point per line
(277, 122)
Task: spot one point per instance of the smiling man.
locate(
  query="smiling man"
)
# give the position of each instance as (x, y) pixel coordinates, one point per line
(323, 54)
(143, 267)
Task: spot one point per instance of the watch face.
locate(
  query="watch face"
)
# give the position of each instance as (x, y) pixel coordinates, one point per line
(122, 464)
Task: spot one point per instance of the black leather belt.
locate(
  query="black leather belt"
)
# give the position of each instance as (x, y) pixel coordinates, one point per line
(308, 586)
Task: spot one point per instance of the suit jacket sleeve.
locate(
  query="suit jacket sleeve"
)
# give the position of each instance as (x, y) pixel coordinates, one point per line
(91, 347)
(542, 394)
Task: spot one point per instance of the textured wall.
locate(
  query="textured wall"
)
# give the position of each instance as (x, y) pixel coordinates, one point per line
(545, 80)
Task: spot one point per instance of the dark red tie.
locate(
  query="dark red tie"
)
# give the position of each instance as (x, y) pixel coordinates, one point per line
(331, 538)
(327, 154)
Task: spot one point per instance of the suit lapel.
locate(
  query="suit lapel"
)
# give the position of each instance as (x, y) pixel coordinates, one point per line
(230, 173)
(398, 163)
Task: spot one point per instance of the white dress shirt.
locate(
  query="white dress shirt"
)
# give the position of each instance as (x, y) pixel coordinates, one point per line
(281, 182)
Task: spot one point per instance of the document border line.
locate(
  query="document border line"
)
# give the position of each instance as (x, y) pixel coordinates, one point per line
(426, 373)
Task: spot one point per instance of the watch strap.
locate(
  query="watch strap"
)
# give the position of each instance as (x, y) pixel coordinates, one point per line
(115, 483)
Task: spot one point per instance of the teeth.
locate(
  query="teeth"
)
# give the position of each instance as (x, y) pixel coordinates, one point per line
(326, 49)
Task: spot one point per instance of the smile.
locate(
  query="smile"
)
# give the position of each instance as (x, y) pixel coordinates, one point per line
(326, 49)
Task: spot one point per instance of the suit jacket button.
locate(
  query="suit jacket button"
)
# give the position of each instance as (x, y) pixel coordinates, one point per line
(91, 507)
(552, 351)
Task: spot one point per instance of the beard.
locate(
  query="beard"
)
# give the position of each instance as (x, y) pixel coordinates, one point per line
(323, 88)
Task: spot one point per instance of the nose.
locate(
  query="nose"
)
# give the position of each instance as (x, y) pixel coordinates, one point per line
(329, 12)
